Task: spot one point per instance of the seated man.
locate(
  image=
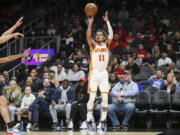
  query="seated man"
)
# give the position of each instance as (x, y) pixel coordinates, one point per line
(156, 81)
(41, 103)
(63, 98)
(123, 94)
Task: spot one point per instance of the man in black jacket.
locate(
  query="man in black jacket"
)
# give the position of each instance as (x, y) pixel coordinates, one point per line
(41, 103)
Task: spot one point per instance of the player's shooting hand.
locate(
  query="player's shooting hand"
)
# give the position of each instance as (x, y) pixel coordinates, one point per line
(19, 22)
(17, 35)
(90, 19)
(105, 18)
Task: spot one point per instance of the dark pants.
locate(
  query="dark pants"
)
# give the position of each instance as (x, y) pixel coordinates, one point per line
(78, 111)
(38, 106)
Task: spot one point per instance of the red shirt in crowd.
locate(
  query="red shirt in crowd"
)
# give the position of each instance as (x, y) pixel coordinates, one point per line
(141, 53)
(113, 44)
(120, 74)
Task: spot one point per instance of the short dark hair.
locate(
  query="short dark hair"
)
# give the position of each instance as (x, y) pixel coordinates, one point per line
(103, 32)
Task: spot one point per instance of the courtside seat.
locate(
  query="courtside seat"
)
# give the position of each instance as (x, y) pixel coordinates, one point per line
(160, 106)
(151, 89)
(143, 103)
(175, 107)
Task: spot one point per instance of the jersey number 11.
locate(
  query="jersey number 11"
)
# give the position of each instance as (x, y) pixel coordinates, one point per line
(101, 57)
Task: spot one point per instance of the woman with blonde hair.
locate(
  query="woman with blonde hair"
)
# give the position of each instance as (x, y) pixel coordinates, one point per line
(170, 83)
(13, 96)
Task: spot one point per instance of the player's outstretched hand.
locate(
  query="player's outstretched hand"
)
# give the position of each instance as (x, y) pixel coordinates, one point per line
(26, 53)
(105, 18)
(19, 22)
(90, 19)
(17, 35)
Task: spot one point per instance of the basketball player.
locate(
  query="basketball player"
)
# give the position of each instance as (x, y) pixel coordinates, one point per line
(3, 102)
(98, 75)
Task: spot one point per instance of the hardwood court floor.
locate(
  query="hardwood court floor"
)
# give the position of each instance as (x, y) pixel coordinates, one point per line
(85, 133)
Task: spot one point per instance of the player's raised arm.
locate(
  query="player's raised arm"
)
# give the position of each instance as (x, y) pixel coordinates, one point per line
(89, 32)
(12, 29)
(110, 31)
(14, 57)
(5, 38)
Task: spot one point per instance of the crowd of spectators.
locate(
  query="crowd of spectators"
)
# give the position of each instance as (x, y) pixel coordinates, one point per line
(146, 43)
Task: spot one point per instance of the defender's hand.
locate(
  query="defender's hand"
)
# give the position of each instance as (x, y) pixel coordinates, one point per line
(19, 22)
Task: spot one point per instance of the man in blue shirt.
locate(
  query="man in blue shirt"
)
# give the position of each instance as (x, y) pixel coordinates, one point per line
(123, 94)
(156, 81)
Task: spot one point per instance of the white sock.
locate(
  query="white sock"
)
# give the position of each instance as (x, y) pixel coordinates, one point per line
(103, 115)
(89, 116)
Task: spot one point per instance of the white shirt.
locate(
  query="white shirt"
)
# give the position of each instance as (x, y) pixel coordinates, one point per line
(165, 61)
(64, 94)
(75, 76)
(62, 76)
(27, 100)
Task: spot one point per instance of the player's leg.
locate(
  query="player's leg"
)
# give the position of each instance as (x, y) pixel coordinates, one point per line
(104, 88)
(4, 112)
(92, 89)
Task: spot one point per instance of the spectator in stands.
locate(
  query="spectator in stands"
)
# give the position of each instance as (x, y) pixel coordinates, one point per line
(129, 40)
(13, 95)
(41, 103)
(170, 51)
(123, 94)
(85, 65)
(62, 101)
(120, 71)
(61, 74)
(156, 81)
(51, 31)
(53, 79)
(149, 61)
(132, 66)
(6, 74)
(164, 60)
(141, 53)
(37, 82)
(29, 82)
(46, 76)
(45, 70)
(27, 100)
(129, 50)
(75, 74)
(54, 66)
(2, 82)
(79, 109)
(170, 83)
(109, 69)
(123, 14)
(156, 53)
(113, 79)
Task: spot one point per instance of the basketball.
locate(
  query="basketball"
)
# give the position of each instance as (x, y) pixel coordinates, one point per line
(90, 9)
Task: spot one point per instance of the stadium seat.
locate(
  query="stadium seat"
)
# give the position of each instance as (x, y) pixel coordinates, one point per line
(175, 106)
(143, 103)
(160, 106)
(151, 90)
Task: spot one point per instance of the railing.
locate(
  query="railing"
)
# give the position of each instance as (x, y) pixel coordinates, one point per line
(53, 42)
